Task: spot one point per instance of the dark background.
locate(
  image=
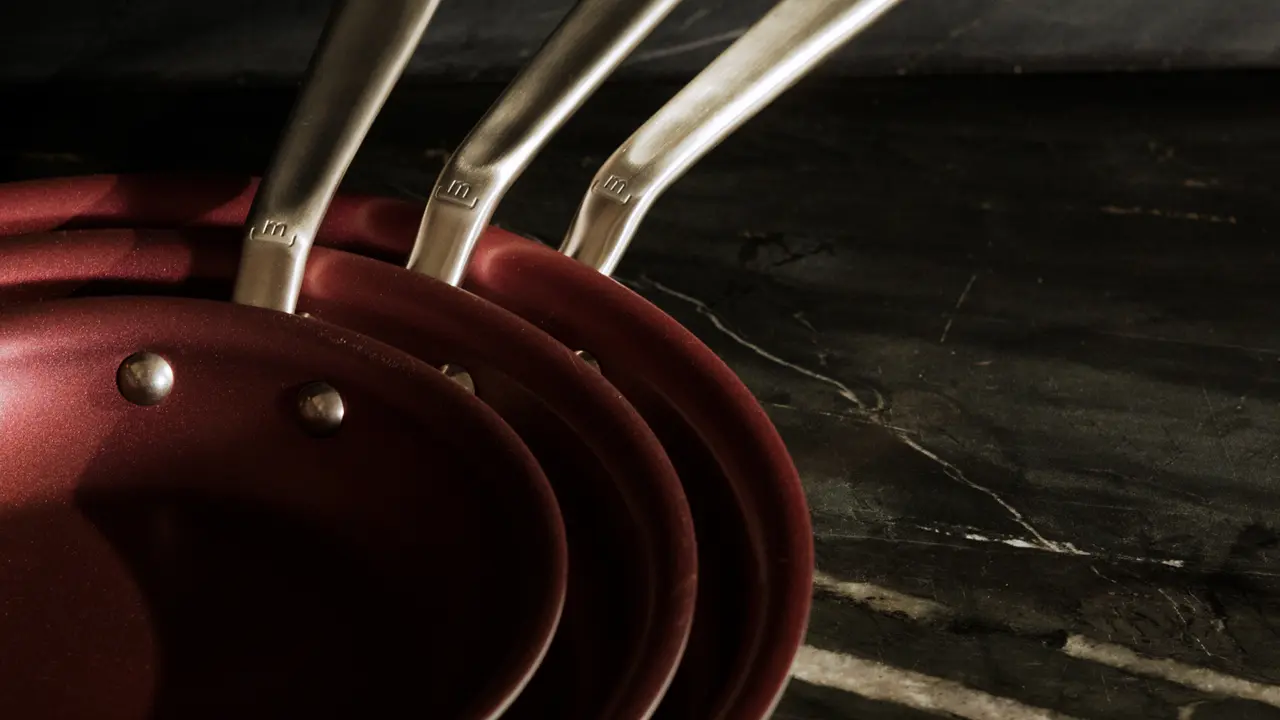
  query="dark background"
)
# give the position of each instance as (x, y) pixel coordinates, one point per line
(237, 40)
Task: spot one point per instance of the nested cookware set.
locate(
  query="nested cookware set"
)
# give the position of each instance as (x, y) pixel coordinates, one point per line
(273, 451)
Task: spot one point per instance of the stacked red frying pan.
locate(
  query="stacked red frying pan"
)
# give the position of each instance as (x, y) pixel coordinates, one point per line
(494, 483)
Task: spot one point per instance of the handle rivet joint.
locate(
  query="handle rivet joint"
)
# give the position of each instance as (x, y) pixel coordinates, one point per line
(320, 408)
(145, 378)
(459, 375)
(588, 358)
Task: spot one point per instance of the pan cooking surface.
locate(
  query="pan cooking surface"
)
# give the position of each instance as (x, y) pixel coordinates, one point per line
(207, 557)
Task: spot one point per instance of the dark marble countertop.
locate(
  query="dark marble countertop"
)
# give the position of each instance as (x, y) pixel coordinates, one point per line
(1021, 335)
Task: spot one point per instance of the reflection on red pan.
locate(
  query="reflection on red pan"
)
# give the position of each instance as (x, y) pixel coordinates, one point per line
(633, 579)
(202, 536)
(755, 543)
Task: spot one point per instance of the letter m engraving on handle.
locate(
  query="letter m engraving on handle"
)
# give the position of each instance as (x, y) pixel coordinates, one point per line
(458, 193)
(272, 231)
(614, 188)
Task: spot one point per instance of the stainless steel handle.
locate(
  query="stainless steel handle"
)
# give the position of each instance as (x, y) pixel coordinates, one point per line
(793, 38)
(590, 42)
(362, 52)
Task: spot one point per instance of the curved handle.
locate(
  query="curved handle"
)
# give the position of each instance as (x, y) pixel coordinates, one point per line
(793, 38)
(362, 52)
(590, 42)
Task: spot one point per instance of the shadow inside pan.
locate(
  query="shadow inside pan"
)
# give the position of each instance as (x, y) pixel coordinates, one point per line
(257, 613)
(608, 606)
(201, 605)
(206, 558)
(713, 660)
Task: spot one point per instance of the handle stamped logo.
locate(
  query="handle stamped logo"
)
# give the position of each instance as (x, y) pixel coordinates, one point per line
(614, 188)
(272, 231)
(458, 193)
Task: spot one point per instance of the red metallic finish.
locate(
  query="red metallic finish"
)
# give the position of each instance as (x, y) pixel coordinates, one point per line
(631, 537)
(703, 414)
(761, 572)
(206, 558)
(633, 580)
(374, 225)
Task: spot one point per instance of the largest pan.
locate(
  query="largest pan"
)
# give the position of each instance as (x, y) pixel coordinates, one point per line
(632, 581)
(757, 572)
(188, 534)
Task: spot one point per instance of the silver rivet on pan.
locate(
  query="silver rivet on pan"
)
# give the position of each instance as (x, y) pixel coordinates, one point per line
(145, 378)
(459, 375)
(320, 408)
(588, 358)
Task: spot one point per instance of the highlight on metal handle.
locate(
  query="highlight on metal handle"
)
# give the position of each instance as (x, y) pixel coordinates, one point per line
(592, 40)
(365, 46)
(789, 41)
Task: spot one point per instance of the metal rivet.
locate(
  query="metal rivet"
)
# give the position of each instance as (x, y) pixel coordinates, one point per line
(459, 375)
(587, 358)
(320, 408)
(145, 378)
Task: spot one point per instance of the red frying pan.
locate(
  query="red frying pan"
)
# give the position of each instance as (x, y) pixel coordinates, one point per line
(755, 542)
(632, 586)
(221, 511)
(751, 518)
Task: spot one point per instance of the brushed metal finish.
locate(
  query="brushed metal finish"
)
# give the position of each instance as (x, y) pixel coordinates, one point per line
(592, 40)
(460, 376)
(145, 378)
(778, 50)
(365, 46)
(320, 408)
